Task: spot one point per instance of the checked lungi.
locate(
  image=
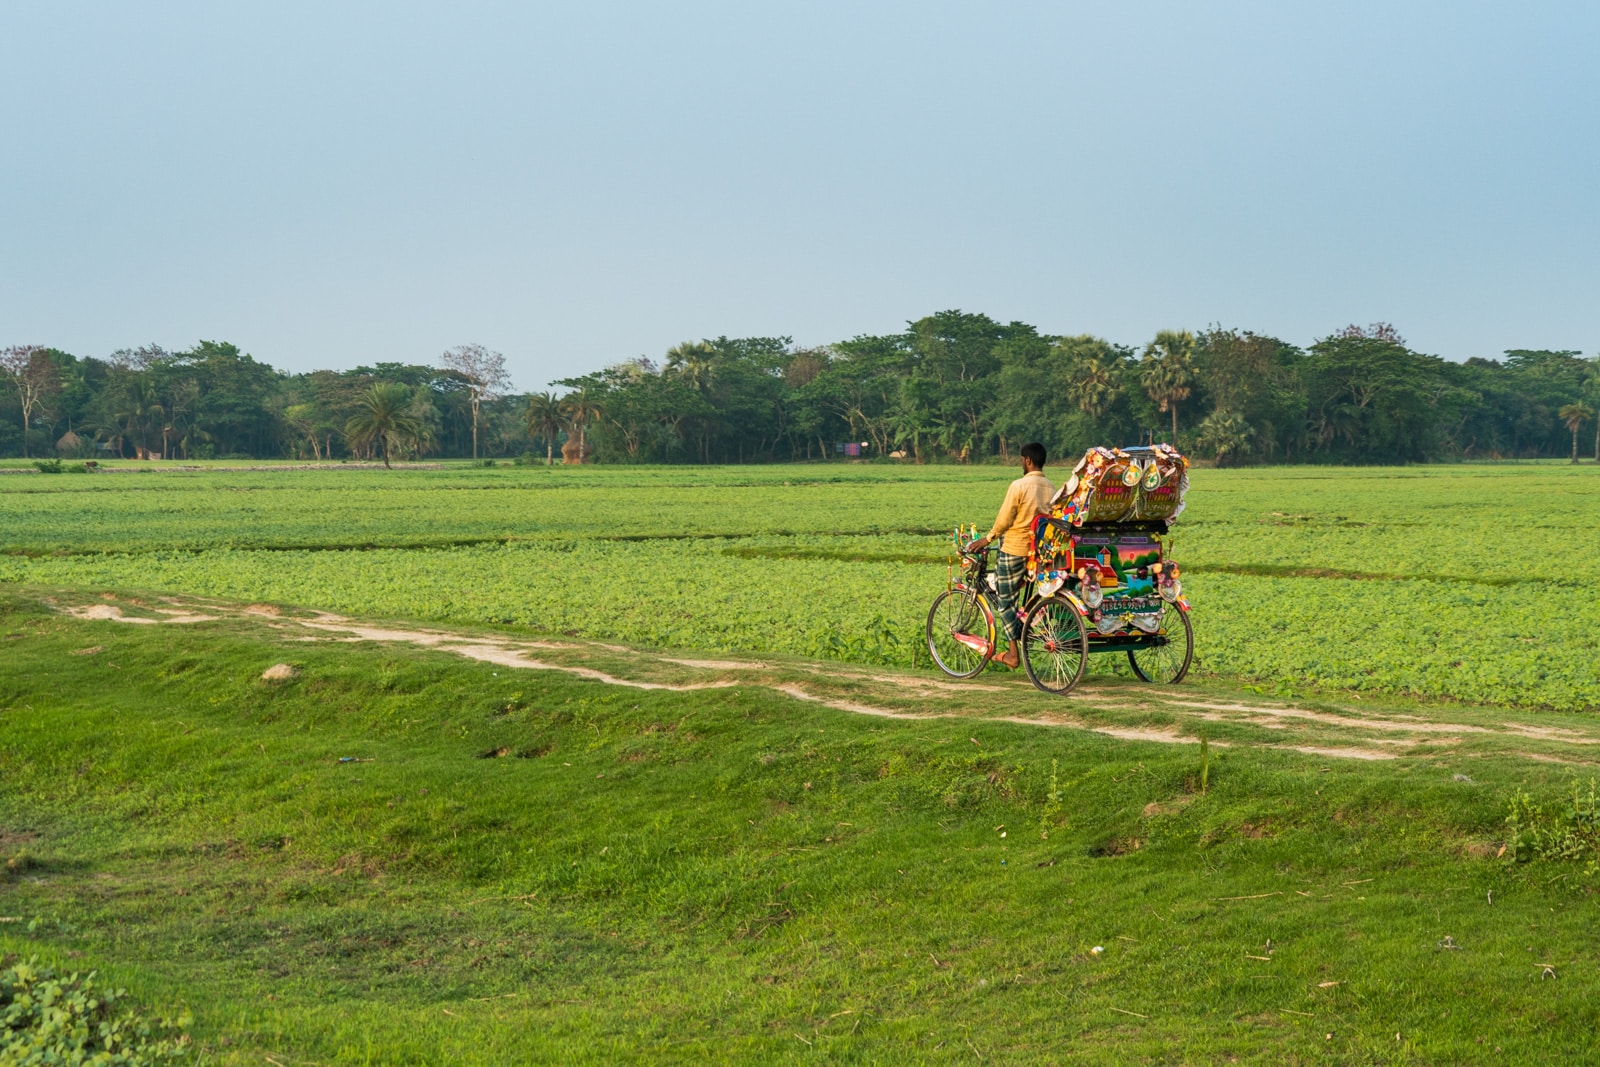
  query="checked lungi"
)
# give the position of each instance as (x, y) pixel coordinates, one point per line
(1010, 574)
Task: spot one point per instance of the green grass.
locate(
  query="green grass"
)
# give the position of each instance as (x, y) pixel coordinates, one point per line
(736, 876)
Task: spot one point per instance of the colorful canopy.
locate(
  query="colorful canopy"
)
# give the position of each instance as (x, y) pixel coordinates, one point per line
(1124, 485)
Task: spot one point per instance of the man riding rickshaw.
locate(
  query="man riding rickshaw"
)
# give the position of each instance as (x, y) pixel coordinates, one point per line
(1081, 569)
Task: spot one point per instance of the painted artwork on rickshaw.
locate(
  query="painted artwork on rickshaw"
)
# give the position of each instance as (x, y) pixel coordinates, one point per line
(1123, 563)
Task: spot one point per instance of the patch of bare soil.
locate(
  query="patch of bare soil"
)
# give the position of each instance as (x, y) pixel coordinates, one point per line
(112, 613)
(1118, 846)
(183, 616)
(1540, 757)
(926, 684)
(105, 613)
(795, 691)
(1551, 733)
(716, 664)
(1162, 735)
(1343, 752)
(510, 657)
(1358, 722)
(1167, 807)
(1166, 735)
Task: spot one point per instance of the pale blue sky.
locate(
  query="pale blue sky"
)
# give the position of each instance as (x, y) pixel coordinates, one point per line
(330, 184)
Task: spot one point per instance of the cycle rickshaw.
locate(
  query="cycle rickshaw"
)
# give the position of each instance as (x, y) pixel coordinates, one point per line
(1098, 579)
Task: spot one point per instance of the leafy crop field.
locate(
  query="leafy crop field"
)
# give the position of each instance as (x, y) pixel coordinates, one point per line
(1472, 583)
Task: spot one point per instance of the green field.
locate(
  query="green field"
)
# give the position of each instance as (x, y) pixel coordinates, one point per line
(566, 834)
(1465, 582)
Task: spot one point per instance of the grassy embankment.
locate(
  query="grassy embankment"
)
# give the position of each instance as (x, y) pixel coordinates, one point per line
(734, 874)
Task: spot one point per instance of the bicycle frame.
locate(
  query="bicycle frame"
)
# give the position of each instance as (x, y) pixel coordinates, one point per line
(976, 580)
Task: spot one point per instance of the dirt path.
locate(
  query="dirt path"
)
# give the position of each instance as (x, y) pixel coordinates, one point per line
(1324, 727)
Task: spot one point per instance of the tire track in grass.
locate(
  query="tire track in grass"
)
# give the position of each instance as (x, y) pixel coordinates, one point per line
(1325, 733)
(503, 654)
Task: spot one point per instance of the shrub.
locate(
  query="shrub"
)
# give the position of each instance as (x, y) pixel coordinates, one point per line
(46, 1018)
(1566, 831)
(48, 466)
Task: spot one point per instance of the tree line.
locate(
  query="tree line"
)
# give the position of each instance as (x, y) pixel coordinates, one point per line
(213, 401)
(952, 386)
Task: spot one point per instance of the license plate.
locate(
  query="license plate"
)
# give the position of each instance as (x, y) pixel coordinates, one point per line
(1130, 605)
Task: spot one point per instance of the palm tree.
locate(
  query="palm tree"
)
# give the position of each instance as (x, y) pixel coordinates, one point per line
(384, 417)
(1575, 415)
(1591, 387)
(1223, 434)
(1096, 386)
(693, 363)
(139, 414)
(580, 407)
(426, 432)
(1168, 371)
(180, 399)
(544, 419)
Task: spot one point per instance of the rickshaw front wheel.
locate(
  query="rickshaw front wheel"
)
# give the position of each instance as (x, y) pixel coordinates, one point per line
(1055, 645)
(960, 632)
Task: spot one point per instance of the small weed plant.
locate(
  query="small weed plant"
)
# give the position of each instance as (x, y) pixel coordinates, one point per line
(1566, 831)
(1052, 802)
(48, 1018)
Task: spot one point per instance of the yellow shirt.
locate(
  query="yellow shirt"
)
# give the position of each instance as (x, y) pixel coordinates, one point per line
(1028, 496)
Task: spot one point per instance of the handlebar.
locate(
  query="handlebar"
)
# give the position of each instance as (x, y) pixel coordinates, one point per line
(964, 542)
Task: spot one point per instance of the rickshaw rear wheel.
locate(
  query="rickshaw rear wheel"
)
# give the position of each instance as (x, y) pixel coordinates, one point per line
(1055, 645)
(1166, 664)
(959, 611)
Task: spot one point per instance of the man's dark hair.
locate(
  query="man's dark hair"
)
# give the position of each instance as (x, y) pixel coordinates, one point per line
(1033, 452)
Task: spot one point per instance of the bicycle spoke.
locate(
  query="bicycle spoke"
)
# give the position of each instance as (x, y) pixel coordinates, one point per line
(957, 613)
(1166, 663)
(1054, 646)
